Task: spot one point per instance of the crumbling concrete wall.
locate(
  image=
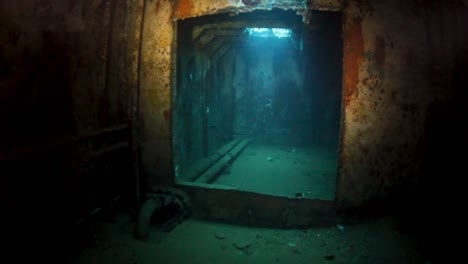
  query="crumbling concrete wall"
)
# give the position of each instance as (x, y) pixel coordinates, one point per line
(398, 58)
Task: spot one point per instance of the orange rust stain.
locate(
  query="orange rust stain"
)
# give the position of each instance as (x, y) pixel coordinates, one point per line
(184, 8)
(353, 56)
(158, 4)
(380, 51)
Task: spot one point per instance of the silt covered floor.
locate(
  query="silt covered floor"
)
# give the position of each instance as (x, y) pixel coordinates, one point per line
(308, 172)
(194, 241)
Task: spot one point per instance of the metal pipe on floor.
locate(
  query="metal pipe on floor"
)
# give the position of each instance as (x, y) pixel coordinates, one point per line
(161, 198)
(224, 150)
(144, 218)
(213, 172)
(235, 151)
(202, 165)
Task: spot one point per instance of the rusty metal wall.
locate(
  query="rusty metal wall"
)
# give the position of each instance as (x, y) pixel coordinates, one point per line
(68, 74)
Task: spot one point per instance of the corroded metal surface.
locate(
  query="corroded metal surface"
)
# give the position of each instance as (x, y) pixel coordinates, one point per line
(155, 92)
(64, 106)
(82, 57)
(192, 8)
(78, 54)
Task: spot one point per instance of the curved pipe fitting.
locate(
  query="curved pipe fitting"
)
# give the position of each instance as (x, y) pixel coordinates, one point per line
(144, 217)
(160, 197)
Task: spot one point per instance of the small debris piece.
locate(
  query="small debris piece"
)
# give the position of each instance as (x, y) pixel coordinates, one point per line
(329, 257)
(299, 195)
(340, 227)
(219, 236)
(241, 245)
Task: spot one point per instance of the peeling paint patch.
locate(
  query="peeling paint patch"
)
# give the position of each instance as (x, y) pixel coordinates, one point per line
(353, 50)
(184, 9)
(380, 51)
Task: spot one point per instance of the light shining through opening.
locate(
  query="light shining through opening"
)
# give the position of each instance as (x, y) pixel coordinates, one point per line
(269, 32)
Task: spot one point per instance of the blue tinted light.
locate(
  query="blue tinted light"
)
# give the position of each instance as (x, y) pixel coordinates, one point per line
(269, 32)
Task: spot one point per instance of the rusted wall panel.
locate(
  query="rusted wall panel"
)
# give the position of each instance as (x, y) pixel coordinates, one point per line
(58, 55)
(66, 68)
(155, 92)
(387, 90)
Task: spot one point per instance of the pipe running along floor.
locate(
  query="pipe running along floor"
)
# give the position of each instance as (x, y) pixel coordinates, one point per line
(307, 172)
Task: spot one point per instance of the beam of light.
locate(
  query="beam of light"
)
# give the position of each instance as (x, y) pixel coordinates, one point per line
(269, 32)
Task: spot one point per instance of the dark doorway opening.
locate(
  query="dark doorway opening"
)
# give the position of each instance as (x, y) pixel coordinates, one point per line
(257, 105)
